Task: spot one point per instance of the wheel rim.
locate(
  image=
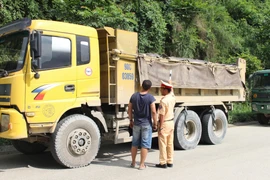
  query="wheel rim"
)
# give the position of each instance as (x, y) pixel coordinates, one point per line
(218, 127)
(79, 141)
(190, 130)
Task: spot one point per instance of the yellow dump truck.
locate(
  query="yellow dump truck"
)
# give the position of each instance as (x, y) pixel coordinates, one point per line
(67, 87)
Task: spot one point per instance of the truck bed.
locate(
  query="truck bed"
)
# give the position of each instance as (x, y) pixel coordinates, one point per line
(195, 81)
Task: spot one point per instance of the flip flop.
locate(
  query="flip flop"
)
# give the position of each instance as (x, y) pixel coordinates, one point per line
(132, 166)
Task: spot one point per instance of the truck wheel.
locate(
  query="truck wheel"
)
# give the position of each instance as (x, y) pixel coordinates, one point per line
(28, 148)
(201, 114)
(76, 141)
(187, 131)
(214, 132)
(262, 119)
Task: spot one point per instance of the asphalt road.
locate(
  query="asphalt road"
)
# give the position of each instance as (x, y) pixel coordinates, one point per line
(243, 155)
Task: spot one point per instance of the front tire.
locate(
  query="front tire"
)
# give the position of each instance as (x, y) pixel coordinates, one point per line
(27, 147)
(76, 141)
(262, 119)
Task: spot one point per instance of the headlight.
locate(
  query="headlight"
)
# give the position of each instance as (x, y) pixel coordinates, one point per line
(4, 122)
(254, 107)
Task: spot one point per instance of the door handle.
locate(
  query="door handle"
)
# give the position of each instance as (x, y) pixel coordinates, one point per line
(69, 87)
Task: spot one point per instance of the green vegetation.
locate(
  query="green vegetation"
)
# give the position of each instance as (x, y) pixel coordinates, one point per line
(4, 142)
(217, 31)
(241, 113)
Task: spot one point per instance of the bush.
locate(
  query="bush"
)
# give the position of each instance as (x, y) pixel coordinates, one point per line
(241, 113)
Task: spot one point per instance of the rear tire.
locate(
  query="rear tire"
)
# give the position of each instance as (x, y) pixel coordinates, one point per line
(262, 119)
(214, 134)
(187, 136)
(28, 148)
(76, 141)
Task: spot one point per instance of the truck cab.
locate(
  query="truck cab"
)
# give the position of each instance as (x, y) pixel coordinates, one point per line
(48, 71)
(45, 72)
(260, 95)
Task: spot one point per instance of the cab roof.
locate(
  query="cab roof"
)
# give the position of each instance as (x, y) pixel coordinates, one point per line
(48, 25)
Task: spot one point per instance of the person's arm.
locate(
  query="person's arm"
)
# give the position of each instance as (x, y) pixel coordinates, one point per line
(170, 82)
(154, 115)
(161, 115)
(130, 114)
(161, 121)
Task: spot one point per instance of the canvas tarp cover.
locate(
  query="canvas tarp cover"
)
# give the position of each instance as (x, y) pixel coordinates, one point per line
(188, 73)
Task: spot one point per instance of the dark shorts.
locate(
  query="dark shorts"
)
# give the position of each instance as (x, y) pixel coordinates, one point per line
(142, 136)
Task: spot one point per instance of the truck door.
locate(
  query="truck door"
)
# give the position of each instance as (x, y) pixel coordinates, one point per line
(88, 71)
(55, 90)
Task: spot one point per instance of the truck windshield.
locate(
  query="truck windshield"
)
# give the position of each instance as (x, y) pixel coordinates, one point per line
(12, 51)
(261, 80)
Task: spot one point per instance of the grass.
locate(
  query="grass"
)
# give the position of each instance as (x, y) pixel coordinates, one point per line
(241, 113)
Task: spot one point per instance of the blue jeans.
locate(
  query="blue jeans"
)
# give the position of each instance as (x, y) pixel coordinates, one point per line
(142, 136)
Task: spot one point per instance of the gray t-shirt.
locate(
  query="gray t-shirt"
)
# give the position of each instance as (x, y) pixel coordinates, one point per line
(141, 108)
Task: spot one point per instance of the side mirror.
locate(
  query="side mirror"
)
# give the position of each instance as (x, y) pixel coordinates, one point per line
(35, 44)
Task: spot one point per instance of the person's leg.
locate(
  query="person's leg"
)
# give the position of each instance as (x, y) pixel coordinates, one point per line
(170, 150)
(162, 141)
(144, 152)
(133, 155)
(146, 143)
(135, 143)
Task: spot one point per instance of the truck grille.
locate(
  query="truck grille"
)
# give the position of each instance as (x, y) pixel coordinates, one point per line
(263, 95)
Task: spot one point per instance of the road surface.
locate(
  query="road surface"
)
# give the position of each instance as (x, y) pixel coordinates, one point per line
(243, 155)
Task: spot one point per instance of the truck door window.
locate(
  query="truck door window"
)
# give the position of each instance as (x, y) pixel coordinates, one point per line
(83, 50)
(56, 52)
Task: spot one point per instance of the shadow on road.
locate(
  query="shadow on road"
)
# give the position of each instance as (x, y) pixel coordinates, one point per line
(120, 155)
(109, 154)
(17, 160)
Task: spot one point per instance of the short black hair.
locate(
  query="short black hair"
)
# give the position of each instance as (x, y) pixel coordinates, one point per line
(146, 84)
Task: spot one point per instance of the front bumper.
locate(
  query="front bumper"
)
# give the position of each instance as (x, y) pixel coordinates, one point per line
(261, 107)
(15, 127)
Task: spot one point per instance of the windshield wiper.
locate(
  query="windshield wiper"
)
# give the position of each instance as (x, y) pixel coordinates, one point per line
(3, 73)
